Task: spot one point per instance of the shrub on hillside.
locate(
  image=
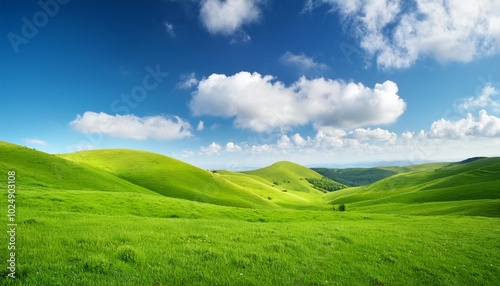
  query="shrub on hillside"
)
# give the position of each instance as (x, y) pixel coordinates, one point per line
(341, 208)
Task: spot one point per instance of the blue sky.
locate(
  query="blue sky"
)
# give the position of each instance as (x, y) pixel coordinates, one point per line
(244, 83)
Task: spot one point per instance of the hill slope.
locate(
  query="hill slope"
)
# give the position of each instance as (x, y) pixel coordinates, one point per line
(270, 191)
(471, 188)
(295, 179)
(169, 177)
(355, 176)
(287, 175)
(36, 170)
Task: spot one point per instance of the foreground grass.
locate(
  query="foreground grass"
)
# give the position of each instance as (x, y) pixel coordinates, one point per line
(202, 244)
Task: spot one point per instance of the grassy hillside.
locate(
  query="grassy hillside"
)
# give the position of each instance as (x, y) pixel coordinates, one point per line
(168, 177)
(294, 179)
(470, 188)
(274, 193)
(365, 176)
(36, 170)
(288, 176)
(415, 168)
(355, 176)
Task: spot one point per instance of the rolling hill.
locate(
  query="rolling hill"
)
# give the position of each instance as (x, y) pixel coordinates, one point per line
(290, 176)
(355, 176)
(36, 170)
(270, 191)
(471, 187)
(168, 177)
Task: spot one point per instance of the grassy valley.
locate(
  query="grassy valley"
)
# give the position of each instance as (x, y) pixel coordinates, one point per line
(124, 217)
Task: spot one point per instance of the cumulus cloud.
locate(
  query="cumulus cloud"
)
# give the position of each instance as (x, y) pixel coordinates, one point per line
(227, 17)
(483, 126)
(482, 100)
(231, 147)
(302, 63)
(398, 33)
(261, 103)
(298, 140)
(35, 141)
(284, 142)
(358, 139)
(372, 134)
(132, 127)
(212, 149)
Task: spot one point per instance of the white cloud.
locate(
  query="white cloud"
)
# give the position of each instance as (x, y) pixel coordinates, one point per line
(200, 126)
(365, 145)
(298, 140)
(483, 126)
(284, 142)
(303, 63)
(35, 141)
(170, 29)
(261, 104)
(358, 140)
(399, 33)
(372, 134)
(211, 149)
(231, 147)
(407, 135)
(131, 126)
(327, 142)
(262, 148)
(227, 17)
(188, 81)
(482, 100)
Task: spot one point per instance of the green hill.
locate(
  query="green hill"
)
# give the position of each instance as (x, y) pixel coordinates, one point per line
(169, 177)
(469, 188)
(296, 179)
(355, 176)
(36, 170)
(288, 175)
(272, 192)
(364, 176)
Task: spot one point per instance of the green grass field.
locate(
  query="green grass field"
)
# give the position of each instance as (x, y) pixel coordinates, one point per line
(122, 217)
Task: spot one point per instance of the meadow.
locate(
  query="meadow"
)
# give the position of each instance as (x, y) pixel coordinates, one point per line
(79, 224)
